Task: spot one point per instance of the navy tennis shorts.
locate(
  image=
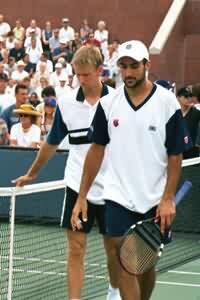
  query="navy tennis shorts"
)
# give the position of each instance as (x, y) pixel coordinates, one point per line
(119, 219)
(96, 213)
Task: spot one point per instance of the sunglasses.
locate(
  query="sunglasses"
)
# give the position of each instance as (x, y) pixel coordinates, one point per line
(24, 116)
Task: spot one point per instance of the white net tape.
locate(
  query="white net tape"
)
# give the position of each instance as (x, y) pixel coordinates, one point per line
(33, 188)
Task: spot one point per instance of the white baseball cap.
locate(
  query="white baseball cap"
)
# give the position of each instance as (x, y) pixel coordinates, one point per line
(134, 49)
(65, 19)
(32, 30)
(63, 77)
(20, 63)
(58, 65)
(62, 41)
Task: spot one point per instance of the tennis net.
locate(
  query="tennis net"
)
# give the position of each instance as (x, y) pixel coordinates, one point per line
(33, 250)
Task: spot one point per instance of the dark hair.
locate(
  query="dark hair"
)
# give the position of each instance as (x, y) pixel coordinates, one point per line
(44, 54)
(144, 61)
(4, 77)
(116, 41)
(48, 91)
(185, 92)
(196, 90)
(20, 86)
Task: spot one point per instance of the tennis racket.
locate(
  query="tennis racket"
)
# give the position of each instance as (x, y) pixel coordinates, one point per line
(142, 245)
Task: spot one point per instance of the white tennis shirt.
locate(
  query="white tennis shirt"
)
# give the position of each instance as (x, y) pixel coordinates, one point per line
(138, 142)
(73, 117)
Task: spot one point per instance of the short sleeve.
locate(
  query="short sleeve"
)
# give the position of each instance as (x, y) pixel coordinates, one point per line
(58, 130)
(178, 139)
(100, 127)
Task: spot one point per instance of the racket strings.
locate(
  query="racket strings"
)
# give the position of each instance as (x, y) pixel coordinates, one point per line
(136, 255)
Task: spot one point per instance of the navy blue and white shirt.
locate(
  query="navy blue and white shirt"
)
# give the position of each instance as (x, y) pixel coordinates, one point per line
(74, 117)
(138, 142)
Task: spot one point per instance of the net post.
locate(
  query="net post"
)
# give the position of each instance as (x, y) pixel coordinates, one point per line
(12, 227)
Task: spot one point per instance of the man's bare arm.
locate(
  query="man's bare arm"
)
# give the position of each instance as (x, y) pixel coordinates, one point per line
(45, 153)
(166, 210)
(91, 167)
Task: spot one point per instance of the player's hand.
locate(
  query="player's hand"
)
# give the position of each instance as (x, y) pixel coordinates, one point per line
(166, 212)
(80, 208)
(23, 180)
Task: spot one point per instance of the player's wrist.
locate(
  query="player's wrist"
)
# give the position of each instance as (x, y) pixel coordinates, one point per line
(168, 197)
(31, 174)
(81, 198)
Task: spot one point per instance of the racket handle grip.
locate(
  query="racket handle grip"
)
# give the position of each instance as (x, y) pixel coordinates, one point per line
(184, 189)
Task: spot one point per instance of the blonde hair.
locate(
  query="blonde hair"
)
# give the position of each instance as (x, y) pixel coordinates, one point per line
(88, 55)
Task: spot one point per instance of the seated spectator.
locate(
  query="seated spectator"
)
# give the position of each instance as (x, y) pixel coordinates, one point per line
(48, 112)
(66, 32)
(42, 72)
(47, 33)
(33, 35)
(11, 66)
(3, 69)
(66, 67)
(5, 56)
(76, 43)
(19, 31)
(34, 53)
(63, 88)
(43, 83)
(4, 27)
(21, 97)
(62, 51)
(33, 27)
(20, 73)
(55, 76)
(5, 99)
(47, 92)
(27, 82)
(10, 89)
(4, 135)
(44, 58)
(25, 133)
(10, 40)
(85, 30)
(192, 118)
(54, 41)
(110, 60)
(34, 99)
(101, 34)
(29, 66)
(92, 41)
(18, 51)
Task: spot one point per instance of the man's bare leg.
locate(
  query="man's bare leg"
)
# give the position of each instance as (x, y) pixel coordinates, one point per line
(127, 283)
(113, 290)
(77, 245)
(147, 283)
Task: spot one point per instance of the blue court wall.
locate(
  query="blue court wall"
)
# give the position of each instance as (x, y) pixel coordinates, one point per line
(14, 163)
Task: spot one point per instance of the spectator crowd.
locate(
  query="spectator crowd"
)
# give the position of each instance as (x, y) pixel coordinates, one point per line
(35, 71)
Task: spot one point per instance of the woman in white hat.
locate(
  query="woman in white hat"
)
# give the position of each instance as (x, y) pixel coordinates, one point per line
(26, 133)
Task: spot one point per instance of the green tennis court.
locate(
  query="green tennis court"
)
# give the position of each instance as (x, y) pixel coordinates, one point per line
(178, 284)
(40, 250)
(182, 283)
(39, 266)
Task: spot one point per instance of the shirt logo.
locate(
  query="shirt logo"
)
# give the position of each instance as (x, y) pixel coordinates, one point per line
(152, 128)
(129, 46)
(186, 140)
(116, 122)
